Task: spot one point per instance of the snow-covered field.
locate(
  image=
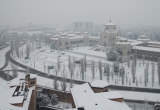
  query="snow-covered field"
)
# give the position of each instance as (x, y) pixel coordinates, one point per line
(44, 58)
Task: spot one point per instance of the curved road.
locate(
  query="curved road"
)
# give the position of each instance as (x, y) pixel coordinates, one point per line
(43, 74)
(116, 87)
(5, 53)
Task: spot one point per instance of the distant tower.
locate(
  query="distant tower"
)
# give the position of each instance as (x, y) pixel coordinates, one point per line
(108, 37)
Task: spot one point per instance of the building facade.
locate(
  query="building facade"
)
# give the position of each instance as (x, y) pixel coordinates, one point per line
(108, 37)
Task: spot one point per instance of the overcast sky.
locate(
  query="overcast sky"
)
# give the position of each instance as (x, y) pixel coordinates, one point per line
(122, 12)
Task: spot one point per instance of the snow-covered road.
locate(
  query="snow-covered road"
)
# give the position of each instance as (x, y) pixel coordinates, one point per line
(2, 56)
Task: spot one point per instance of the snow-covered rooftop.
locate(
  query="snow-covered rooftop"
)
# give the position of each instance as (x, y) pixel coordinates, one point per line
(141, 96)
(134, 42)
(151, 49)
(4, 96)
(16, 99)
(84, 97)
(8, 99)
(110, 95)
(99, 83)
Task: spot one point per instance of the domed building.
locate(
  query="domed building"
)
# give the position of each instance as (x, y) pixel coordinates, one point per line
(143, 38)
(108, 37)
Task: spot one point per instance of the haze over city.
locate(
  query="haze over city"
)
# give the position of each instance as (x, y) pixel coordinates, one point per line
(122, 12)
(79, 55)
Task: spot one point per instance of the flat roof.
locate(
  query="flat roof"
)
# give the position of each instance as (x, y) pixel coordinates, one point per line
(16, 99)
(142, 96)
(99, 83)
(110, 95)
(151, 49)
(7, 99)
(84, 96)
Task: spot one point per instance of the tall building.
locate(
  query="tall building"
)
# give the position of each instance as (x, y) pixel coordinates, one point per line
(83, 27)
(108, 37)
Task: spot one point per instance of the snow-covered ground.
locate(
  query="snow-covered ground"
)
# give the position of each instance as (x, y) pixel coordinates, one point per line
(42, 58)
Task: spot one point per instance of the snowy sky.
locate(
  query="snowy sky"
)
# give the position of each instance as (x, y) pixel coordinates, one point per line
(122, 12)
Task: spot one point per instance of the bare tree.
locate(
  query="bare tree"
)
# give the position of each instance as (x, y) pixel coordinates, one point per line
(93, 69)
(55, 82)
(63, 83)
(58, 64)
(128, 62)
(122, 74)
(85, 63)
(82, 69)
(158, 70)
(107, 71)
(153, 72)
(27, 51)
(133, 71)
(116, 67)
(12, 47)
(100, 69)
(72, 68)
(69, 63)
(17, 49)
(146, 74)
